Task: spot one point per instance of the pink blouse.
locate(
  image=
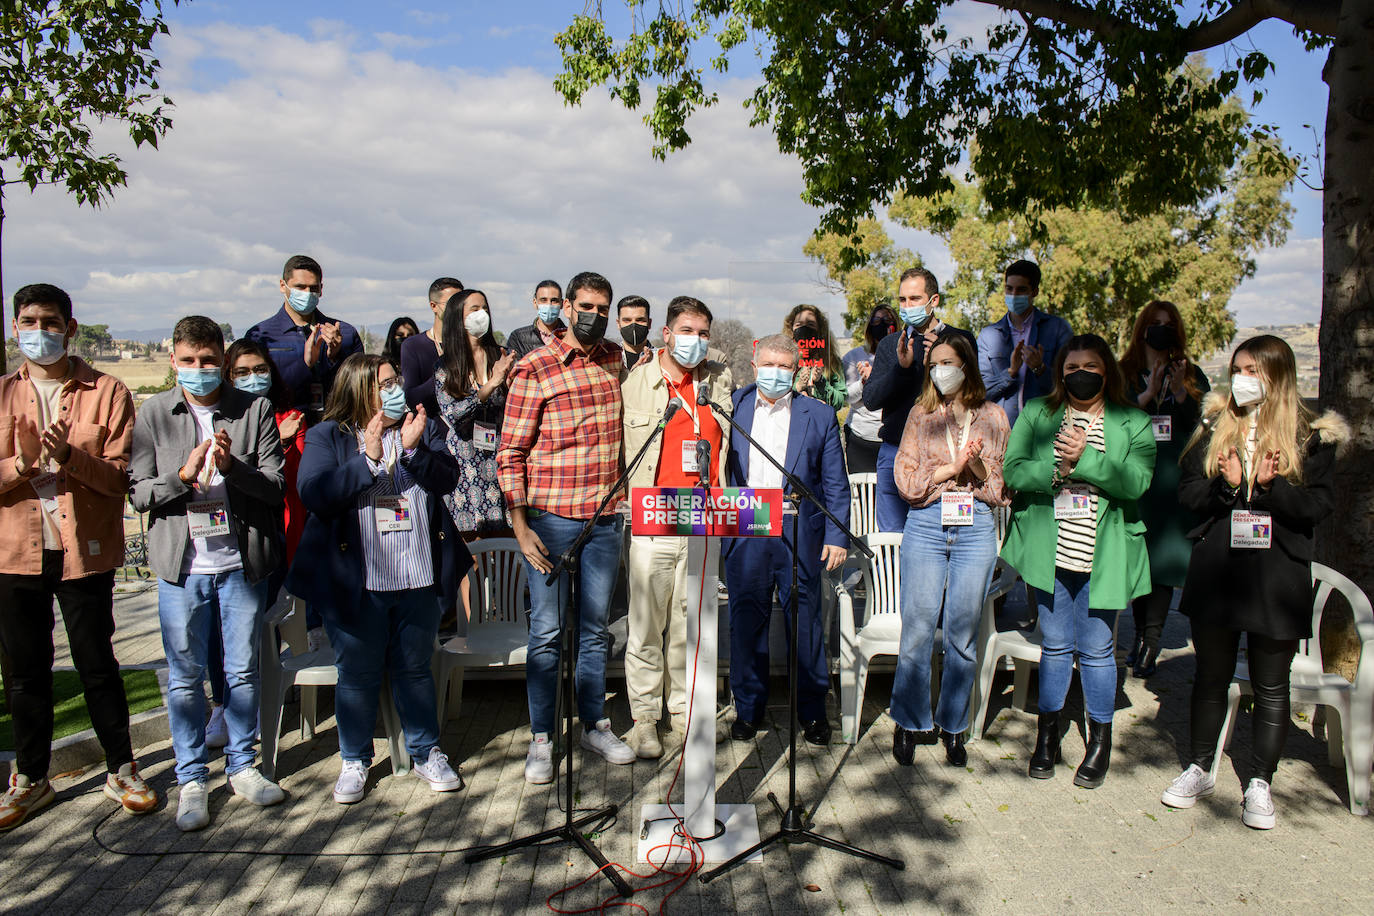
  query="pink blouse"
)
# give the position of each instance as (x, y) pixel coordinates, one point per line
(925, 449)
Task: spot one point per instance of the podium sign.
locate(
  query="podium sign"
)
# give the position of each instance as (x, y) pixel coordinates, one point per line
(732, 512)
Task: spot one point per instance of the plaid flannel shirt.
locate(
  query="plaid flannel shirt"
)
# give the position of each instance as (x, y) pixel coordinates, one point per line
(561, 439)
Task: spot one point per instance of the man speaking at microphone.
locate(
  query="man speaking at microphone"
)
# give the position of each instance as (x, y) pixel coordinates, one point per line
(802, 434)
(680, 371)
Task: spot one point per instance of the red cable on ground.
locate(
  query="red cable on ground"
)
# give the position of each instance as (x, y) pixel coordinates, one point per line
(692, 846)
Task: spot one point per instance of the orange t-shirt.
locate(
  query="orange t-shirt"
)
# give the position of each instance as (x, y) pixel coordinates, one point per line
(679, 431)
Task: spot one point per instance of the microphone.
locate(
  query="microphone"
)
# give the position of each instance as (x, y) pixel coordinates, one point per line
(704, 462)
(673, 407)
(702, 400)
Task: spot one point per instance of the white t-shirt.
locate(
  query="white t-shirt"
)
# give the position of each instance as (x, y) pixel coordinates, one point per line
(49, 409)
(206, 556)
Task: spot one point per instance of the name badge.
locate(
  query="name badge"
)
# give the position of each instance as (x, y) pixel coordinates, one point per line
(956, 508)
(208, 519)
(1251, 530)
(392, 513)
(1073, 502)
(45, 485)
(316, 396)
(689, 456)
(483, 436)
(1163, 427)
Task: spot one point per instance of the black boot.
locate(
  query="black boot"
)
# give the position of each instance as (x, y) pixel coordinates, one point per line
(1093, 769)
(903, 745)
(1046, 746)
(1136, 648)
(955, 752)
(1147, 663)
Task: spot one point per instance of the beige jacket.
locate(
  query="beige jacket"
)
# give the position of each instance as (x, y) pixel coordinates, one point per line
(646, 397)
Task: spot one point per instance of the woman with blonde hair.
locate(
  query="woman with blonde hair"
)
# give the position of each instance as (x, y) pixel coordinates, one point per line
(1258, 471)
(824, 381)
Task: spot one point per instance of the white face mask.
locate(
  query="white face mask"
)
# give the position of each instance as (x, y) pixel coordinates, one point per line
(478, 323)
(1247, 390)
(947, 379)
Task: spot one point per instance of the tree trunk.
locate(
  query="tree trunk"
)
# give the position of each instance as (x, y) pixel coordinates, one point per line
(1346, 541)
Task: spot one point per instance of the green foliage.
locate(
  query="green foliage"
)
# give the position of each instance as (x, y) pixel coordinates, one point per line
(168, 381)
(227, 329)
(878, 99)
(69, 704)
(91, 340)
(872, 281)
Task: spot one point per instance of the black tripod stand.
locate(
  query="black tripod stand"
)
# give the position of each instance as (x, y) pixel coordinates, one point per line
(794, 826)
(570, 831)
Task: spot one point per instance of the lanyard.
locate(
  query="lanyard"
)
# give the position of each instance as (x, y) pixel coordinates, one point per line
(1093, 422)
(688, 404)
(390, 437)
(963, 435)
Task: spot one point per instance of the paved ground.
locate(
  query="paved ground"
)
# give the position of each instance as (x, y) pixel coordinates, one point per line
(981, 840)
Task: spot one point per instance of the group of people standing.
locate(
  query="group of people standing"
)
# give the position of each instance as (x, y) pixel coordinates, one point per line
(293, 461)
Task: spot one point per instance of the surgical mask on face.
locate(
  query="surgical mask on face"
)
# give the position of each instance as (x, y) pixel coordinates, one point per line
(200, 382)
(551, 314)
(302, 300)
(589, 327)
(478, 323)
(774, 382)
(689, 351)
(947, 379)
(1019, 304)
(1084, 384)
(916, 316)
(43, 347)
(394, 402)
(635, 334)
(254, 383)
(1247, 390)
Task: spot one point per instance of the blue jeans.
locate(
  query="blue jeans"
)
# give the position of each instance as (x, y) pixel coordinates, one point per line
(392, 634)
(952, 564)
(889, 507)
(1071, 629)
(598, 567)
(187, 613)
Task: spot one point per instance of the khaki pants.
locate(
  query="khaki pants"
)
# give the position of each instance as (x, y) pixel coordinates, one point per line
(658, 600)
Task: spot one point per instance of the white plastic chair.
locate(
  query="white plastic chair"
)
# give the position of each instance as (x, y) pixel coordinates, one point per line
(1021, 647)
(284, 663)
(1350, 731)
(863, 511)
(498, 632)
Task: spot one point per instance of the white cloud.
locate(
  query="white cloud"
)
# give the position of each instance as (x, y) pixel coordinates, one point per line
(1286, 287)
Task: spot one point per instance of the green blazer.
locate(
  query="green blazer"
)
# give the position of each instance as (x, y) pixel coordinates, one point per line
(1121, 565)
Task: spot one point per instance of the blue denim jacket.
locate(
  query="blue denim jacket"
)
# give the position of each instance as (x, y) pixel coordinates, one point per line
(995, 344)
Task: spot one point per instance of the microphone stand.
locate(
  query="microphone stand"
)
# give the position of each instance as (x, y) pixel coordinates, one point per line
(795, 826)
(569, 561)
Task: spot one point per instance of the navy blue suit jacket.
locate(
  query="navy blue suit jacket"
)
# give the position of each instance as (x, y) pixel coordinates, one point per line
(813, 454)
(329, 567)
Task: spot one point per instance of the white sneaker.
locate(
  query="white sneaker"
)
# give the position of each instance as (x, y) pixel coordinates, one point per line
(216, 732)
(193, 810)
(314, 639)
(1192, 784)
(1259, 806)
(539, 761)
(603, 742)
(643, 740)
(437, 772)
(351, 782)
(256, 787)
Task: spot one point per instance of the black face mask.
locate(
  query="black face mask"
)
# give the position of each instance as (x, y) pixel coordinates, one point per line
(1083, 385)
(635, 334)
(589, 327)
(803, 331)
(1161, 337)
(881, 327)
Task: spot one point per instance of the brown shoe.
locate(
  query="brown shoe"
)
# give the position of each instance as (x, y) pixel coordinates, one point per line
(24, 797)
(129, 789)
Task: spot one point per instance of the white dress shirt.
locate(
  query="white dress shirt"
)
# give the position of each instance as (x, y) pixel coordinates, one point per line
(772, 424)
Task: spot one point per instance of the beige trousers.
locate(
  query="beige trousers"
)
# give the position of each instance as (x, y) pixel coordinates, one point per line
(658, 602)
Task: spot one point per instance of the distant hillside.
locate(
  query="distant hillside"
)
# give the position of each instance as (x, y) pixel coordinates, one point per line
(1301, 337)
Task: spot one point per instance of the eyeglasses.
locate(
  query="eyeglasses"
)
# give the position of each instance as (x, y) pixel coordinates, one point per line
(245, 371)
(391, 384)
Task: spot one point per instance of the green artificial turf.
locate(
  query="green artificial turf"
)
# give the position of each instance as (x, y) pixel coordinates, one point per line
(69, 705)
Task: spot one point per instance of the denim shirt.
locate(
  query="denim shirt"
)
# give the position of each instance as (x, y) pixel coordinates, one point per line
(285, 343)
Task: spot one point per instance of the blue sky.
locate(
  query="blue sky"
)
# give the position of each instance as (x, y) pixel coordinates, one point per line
(399, 141)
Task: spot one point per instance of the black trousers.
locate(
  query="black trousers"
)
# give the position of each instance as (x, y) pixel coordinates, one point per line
(862, 454)
(26, 622)
(1270, 661)
(1150, 611)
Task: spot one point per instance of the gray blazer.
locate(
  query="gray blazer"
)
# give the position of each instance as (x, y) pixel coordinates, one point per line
(164, 436)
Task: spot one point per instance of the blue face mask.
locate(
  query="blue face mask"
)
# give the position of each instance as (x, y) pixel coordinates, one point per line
(1020, 304)
(774, 382)
(302, 300)
(551, 315)
(43, 347)
(254, 384)
(916, 317)
(689, 351)
(200, 382)
(394, 402)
